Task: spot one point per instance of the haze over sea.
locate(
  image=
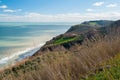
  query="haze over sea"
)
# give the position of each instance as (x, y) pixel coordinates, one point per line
(20, 40)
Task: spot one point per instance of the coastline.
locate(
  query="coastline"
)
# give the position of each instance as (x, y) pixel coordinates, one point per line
(19, 56)
(25, 41)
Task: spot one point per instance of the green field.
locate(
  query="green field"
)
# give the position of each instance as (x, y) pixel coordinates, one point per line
(66, 39)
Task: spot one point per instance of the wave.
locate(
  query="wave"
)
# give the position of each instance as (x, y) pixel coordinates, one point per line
(20, 55)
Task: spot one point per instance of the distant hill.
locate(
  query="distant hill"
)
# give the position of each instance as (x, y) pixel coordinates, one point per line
(89, 25)
(76, 35)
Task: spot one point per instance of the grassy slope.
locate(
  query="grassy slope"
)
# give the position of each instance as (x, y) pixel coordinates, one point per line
(65, 65)
(111, 72)
(64, 39)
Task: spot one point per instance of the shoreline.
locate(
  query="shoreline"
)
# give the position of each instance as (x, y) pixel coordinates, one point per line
(19, 56)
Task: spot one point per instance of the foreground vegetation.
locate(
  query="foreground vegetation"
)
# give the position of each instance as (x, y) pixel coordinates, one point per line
(71, 66)
(110, 71)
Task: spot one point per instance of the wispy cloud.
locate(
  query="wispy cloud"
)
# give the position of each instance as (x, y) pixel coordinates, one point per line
(112, 5)
(3, 6)
(90, 10)
(69, 17)
(11, 11)
(6, 9)
(98, 3)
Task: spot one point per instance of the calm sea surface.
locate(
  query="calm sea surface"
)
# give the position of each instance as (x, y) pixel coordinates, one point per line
(19, 40)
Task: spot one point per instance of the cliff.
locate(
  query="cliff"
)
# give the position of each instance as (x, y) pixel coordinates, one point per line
(75, 36)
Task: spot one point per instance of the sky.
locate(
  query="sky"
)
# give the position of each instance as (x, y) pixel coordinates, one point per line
(58, 10)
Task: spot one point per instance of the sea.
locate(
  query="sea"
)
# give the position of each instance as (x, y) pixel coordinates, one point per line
(19, 40)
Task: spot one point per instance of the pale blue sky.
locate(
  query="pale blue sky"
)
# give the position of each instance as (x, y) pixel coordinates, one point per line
(58, 10)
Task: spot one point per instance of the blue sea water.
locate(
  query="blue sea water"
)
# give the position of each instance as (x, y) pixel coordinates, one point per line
(20, 40)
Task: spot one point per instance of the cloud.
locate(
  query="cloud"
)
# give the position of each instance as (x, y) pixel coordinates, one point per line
(90, 10)
(11, 11)
(111, 5)
(69, 17)
(98, 3)
(3, 6)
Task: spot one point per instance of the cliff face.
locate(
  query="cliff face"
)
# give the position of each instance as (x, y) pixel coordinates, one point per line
(75, 36)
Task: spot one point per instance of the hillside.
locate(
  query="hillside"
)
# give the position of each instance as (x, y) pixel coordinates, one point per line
(75, 55)
(88, 25)
(75, 36)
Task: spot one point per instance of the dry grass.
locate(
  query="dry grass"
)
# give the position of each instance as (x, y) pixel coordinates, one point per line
(66, 65)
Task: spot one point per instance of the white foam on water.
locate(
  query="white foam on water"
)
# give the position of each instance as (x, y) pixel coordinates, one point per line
(25, 53)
